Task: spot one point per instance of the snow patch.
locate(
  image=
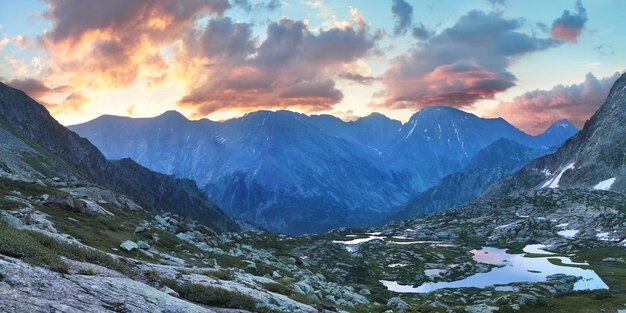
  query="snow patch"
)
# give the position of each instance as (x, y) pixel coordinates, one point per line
(554, 183)
(359, 240)
(536, 249)
(605, 184)
(433, 272)
(603, 236)
(570, 233)
(411, 131)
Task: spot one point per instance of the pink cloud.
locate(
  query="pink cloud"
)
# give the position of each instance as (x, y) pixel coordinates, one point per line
(535, 110)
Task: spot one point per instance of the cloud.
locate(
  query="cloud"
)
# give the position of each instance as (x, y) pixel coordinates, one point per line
(403, 13)
(270, 5)
(117, 42)
(72, 103)
(36, 88)
(358, 78)
(4, 42)
(292, 68)
(421, 32)
(460, 65)
(569, 26)
(535, 110)
(605, 49)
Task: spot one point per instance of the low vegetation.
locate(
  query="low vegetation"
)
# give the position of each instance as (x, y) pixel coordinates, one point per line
(39, 249)
(211, 296)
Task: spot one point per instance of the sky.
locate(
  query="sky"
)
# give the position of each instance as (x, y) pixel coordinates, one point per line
(530, 62)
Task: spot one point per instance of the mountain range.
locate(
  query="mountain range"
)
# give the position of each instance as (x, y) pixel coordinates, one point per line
(282, 169)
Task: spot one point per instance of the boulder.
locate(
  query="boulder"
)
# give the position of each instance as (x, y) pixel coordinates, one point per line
(396, 302)
(169, 291)
(129, 245)
(143, 245)
(12, 221)
(91, 207)
(64, 202)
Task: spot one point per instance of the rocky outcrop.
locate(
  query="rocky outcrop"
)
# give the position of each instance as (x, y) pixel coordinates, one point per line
(34, 289)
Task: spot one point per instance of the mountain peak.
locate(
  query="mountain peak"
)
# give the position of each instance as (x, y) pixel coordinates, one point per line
(172, 115)
(439, 111)
(563, 123)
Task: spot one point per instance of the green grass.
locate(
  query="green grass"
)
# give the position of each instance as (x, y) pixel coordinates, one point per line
(26, 246)
(211, 296)
(88, 271)
(580, 302)
(38, 249)
(223, 274)
(152, 275)
(277, 288)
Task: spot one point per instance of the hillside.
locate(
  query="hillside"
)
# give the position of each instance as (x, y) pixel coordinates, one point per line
(56, 150)
(498, 160)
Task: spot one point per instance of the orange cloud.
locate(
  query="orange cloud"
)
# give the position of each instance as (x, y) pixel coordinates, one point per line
(292, 68)
(114, 43)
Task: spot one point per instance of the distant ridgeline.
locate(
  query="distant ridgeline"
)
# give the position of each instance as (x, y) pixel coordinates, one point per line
(294, 173)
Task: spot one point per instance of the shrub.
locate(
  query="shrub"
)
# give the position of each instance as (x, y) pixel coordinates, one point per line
(78, 253)
(88, 271)
(277, 288)
(41, 250)
(22, 245)
(211, 296)
(223, 274)
(152, 275)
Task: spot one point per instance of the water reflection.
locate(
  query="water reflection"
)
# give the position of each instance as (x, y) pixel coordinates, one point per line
(513, 268)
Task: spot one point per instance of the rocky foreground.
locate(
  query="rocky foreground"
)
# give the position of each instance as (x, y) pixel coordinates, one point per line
(75, 247)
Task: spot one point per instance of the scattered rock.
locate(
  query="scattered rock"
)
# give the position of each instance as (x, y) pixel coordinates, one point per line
(396, 302)
(128, 245)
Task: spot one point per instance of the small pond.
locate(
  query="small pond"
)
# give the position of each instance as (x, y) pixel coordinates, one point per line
(513, 268)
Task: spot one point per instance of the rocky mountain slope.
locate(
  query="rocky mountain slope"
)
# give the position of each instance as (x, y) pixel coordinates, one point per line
(44, 148)
(282, 169)
(593, 159)
(498, 160)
